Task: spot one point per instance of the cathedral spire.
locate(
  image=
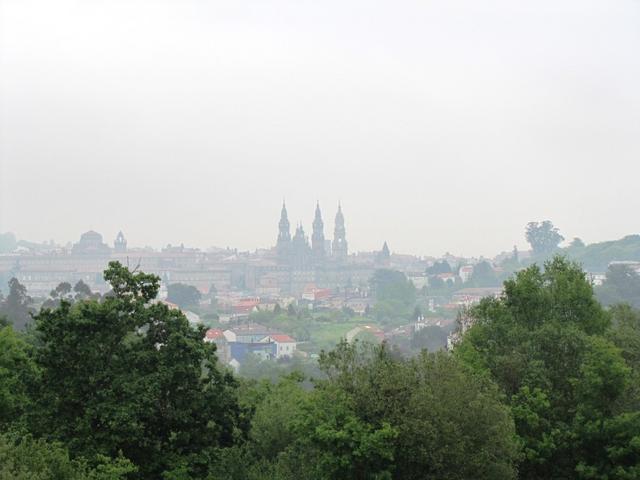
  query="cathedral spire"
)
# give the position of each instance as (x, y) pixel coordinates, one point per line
(283, 246)
(340, 247)
(317, 238)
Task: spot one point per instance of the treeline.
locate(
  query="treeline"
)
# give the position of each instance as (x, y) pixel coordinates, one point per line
(545, 384)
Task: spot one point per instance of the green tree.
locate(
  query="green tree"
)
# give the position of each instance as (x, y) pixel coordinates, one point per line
(82, 291)
(543, 237)
(129, 374)
(622, 285)
(24, 458)
(445, 422)
(431, 338)
(185, 296)
(484, 276)
(17, 306)
(439, 267)
(544, 344)
(17, 374)
(393, 287)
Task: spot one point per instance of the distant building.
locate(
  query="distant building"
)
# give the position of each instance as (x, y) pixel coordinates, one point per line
(465, 272)
(340, 246)
(285, 345)
(90, 243)
(120, 243)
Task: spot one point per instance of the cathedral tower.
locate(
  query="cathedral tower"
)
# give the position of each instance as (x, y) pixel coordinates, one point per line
(300, 248)
(283, 246)
(340, 248)
(317, 238)
(120, 243)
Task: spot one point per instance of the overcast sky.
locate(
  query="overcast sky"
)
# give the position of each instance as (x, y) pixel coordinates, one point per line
(440, 125)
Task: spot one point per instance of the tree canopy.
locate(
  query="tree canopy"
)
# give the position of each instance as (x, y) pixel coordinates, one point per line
(185, 296)
(127, 374)
(545, 344)
(543, 237)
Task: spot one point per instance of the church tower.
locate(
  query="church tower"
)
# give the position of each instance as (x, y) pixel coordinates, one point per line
(300, 248)
(340, 248)
(283, 246)
(120, 243)
(317, 238)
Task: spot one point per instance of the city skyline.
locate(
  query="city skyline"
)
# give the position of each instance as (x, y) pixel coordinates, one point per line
(436, 132)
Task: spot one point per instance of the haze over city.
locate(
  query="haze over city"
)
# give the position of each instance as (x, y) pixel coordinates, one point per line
(440, 126)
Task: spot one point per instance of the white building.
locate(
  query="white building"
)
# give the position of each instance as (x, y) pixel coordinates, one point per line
(285, 345)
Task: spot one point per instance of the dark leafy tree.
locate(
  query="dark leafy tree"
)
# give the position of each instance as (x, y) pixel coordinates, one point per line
(25, 458)
(576, 243)
(130, 375)
(484, 276)
(17, 374)
(62, 291)
(439, 267)
(17, 306)
(82, 291)
(393, 286)
(622, 285)
(445, 422)
(544, 344)
(431, 338)
(185, 296)
(543, 237)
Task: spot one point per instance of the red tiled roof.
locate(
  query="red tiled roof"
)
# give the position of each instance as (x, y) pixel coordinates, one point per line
(281, 338)
(214, 333)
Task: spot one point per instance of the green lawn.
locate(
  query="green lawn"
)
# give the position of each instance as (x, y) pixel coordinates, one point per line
(327, 335)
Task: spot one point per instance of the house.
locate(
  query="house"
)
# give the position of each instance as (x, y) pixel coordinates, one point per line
(246, 305)
(465, 272)
(262, 350)
(358, 305)
(248, 333)
(471, 296)
(215, 335)
(285, 345)
(447, 277)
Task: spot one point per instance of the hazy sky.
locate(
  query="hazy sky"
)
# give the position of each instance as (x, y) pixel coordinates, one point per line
(440, 125)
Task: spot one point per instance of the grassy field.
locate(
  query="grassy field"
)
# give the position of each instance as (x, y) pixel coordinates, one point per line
(327, 335)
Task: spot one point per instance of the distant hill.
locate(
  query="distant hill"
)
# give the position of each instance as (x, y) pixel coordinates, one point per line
(597, 256)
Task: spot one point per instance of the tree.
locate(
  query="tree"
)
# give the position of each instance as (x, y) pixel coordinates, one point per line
(17, 374)
(184, 296)
(439, 267)
(543, 237)
(622, 285)
(127, 374)
(17, 305)
(431, 338)
(544, 344)
(484, 276)
(391, 285)
(24, 458)
(82, 290)
(576, 243)
(61, 291)
(442, 422)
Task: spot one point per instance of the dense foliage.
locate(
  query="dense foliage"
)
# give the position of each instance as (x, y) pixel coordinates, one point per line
(544, 384)
(546, 344)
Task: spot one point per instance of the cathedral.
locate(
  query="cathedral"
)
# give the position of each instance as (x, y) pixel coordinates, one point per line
(321, 262)
(296, 252)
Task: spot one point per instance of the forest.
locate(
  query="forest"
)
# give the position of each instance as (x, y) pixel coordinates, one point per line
(544, 383)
